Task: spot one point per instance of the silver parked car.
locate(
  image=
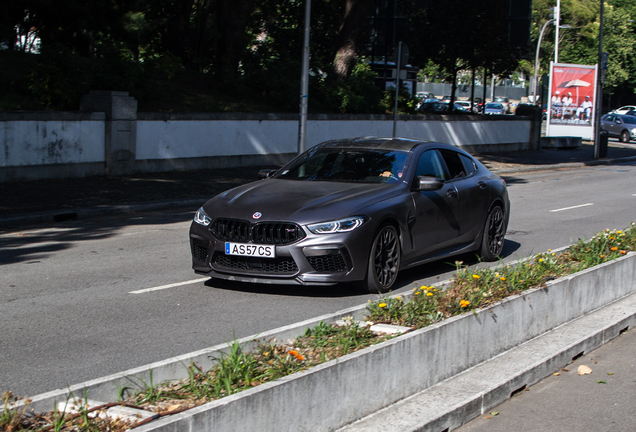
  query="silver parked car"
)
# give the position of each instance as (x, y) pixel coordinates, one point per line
(619, 126)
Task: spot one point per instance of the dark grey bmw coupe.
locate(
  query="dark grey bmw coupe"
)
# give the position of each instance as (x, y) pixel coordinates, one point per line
(353, 210)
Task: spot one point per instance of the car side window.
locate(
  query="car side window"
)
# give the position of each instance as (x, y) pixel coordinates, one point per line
(454, 164)
(430, 165)
(469, 164)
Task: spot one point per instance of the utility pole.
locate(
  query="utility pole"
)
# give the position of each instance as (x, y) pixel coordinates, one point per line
(599, 90)
(304, 83)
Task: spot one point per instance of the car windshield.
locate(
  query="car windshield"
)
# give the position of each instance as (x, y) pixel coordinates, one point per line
(347, 165)
(493, 105)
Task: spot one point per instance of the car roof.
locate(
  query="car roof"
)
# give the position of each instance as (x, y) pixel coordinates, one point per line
(391, 144)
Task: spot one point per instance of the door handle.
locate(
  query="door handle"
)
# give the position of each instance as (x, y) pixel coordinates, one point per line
(482, 185)
(452, 193)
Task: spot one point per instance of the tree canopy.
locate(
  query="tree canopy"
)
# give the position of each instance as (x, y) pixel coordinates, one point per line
(222, 55)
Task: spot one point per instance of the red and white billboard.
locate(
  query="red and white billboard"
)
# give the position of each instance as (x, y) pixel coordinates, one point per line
(571, 100)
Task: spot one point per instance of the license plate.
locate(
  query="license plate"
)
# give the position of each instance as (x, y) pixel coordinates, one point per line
(242, 249)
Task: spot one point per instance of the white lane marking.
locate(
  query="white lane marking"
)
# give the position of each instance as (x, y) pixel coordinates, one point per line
(570, 208)
(162, 287)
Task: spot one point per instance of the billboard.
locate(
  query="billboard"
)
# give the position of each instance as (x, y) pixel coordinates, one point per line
(570, 110)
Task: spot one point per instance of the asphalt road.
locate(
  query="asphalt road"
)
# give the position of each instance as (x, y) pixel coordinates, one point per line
(80, 300)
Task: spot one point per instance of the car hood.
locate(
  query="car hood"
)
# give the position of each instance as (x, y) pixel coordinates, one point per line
(298, 201)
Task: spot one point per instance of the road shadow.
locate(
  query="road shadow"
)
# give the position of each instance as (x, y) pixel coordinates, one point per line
(408, 278)
(27, 244)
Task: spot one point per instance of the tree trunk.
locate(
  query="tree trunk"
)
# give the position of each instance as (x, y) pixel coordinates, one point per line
(347, 42)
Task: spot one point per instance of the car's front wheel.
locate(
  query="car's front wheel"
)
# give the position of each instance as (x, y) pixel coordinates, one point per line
(494, 232)
(384, 262)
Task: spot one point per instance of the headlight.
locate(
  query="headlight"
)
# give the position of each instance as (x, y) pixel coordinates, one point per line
(339, 226)
(202, 218)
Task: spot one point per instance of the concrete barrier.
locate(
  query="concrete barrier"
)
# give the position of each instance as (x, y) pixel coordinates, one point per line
(349, 388)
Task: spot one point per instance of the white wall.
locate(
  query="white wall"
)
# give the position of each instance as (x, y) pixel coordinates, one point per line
(43, 142)
(172, 139)
(73, 144)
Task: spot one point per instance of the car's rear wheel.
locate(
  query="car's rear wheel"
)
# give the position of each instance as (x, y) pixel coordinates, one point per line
(384, 262)
(624, 136)
(494, 232)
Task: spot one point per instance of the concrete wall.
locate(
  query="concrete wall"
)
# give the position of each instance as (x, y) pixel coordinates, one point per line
(119, 141)
(36, 145)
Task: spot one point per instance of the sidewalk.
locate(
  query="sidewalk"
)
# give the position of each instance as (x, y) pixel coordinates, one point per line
(78, 198)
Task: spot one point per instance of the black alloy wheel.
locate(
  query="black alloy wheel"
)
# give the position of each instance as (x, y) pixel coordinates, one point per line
(494, 233)
(384, 262)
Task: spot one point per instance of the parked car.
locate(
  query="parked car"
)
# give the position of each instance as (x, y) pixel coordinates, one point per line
(505, 102)
(494, 108)
(463, 106)
(354, 210)
(425, 95)
(620, 126)
(624, 109)
(432, 106)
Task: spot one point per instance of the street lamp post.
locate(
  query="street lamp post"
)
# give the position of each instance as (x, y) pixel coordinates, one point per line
(536, 58)
(536, 61)
(557, 18)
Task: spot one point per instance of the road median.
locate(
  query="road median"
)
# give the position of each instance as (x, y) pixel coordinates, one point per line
(345, 390)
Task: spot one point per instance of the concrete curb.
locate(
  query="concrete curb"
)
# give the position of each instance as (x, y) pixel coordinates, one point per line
(345, 390)
(452, 403)
(532, 168)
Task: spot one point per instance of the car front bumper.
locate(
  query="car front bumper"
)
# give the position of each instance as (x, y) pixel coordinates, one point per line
(325, 259)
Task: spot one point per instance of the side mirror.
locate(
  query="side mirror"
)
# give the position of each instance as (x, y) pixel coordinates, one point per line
(425, 183)
(265, 173)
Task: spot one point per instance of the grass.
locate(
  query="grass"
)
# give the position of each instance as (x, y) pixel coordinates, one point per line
(238, 369)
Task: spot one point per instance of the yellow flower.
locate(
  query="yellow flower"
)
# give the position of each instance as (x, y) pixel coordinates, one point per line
(540, 259)
(476, 276)
(417, 293)
(503, 278)
(464, 303)
(614, 248)
(623, 252)
(382, 305)
(429, 294)
(602, 256)
(434, 289)
(619, 232)
(549, 250)
(553, 253)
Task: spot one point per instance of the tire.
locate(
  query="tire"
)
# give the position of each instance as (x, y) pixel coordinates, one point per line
(384, 262)
(492, 242)
(624, 136)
